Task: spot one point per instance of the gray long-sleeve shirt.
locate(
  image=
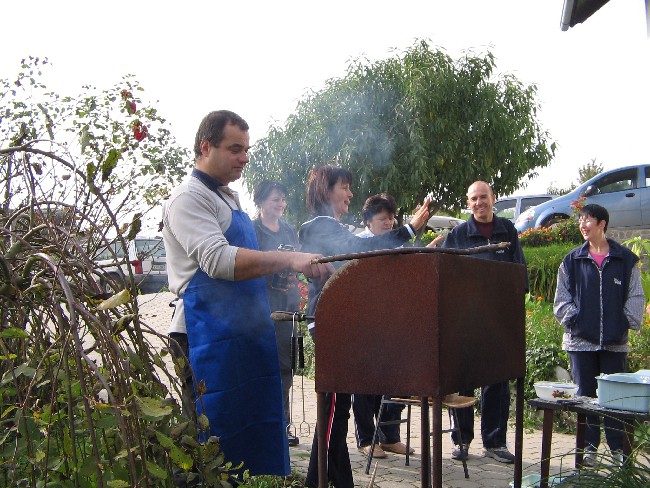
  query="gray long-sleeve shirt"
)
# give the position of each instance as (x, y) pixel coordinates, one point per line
(194, 222)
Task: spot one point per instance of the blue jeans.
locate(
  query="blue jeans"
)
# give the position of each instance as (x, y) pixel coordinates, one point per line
(585, 366)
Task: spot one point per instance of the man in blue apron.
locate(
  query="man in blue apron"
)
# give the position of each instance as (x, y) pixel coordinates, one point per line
(222, 312)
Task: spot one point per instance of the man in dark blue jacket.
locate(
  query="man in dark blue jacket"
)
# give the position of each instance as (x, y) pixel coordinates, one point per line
(482, 228)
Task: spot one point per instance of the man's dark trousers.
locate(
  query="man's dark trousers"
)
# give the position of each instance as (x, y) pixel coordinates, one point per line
(495, 409)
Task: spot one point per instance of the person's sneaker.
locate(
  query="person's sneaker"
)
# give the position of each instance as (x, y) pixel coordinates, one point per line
(618, 458)
(293, 440)
(500, 454)
(589, 460)
(458, 454)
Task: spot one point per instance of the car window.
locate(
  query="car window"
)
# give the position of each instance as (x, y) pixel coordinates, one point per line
(506, 208)
(618, 181)
(526, 203)
(113, 251)
(149, 248)
(647, 176)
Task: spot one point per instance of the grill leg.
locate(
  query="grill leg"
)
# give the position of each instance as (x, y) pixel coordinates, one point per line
(375, 436)
(456, 428)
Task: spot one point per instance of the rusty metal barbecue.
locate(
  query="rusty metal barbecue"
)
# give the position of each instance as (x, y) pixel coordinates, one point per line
(457, 323)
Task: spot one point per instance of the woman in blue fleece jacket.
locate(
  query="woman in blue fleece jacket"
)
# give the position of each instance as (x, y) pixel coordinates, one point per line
(599, 297)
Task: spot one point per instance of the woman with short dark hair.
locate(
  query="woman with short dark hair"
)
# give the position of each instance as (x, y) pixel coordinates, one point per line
(599, 297)
(274, 233)
(379, 217)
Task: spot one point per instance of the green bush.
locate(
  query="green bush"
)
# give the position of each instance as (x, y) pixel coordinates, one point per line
(543, 263)
(639, 355)
(86, 396)
(543, 353)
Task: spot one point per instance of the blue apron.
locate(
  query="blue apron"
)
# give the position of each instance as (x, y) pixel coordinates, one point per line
(233, 349)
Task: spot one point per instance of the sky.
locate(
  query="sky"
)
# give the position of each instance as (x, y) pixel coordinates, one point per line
(258, 58)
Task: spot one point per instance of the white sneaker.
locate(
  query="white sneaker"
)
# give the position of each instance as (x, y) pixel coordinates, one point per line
(618, 458)
(589, 460)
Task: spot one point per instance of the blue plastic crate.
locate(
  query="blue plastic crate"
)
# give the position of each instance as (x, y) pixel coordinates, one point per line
(624, 391)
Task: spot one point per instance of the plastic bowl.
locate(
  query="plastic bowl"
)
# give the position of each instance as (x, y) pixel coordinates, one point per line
(554, 391)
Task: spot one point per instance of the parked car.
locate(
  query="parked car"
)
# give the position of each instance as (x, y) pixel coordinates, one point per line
(624, 192)
(146, 257)
(512, 207)
(442, 224)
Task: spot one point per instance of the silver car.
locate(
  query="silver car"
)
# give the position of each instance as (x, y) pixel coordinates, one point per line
(442, 224)
(147, 259)
(624, 192)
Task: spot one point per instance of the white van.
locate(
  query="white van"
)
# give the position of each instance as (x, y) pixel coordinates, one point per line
(146, 258)
(510, 208)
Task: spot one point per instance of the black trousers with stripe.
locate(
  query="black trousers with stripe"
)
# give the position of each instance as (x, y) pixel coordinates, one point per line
(339, 470)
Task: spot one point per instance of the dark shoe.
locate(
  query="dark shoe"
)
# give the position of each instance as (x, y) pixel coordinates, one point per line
(500, 454)
(459, 452)
(293, 440)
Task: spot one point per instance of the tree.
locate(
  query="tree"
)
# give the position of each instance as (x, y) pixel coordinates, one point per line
(414, 124)
(554, 190)
(585, 173)
(588, 171)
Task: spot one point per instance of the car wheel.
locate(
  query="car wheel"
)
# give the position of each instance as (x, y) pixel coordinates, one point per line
(112, 283)
(554, 219)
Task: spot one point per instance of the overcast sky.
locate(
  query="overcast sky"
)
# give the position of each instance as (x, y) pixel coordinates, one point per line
(258, 58)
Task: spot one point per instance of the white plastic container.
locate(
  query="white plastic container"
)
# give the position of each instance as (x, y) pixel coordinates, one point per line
(555, 390)
(624, 391)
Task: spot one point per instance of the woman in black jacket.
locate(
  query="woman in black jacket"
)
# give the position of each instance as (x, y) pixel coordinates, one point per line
(328, 200)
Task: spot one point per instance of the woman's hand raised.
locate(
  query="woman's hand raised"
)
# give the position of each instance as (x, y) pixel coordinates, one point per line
(421, 215)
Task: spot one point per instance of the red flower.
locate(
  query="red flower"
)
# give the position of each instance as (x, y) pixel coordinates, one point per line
(140, 130)
(125, 94)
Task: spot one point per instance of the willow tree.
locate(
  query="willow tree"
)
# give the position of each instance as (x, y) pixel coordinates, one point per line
(413, 124)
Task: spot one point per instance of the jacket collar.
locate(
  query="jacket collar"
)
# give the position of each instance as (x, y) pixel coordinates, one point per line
(212, 183)
(615, 249)
(499, 227)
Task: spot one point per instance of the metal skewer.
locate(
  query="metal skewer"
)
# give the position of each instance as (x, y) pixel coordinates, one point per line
(410, 250)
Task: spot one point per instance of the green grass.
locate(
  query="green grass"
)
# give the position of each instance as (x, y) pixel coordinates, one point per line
(294, 480)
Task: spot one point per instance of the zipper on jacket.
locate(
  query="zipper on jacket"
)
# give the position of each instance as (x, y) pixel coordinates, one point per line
(600, 294)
